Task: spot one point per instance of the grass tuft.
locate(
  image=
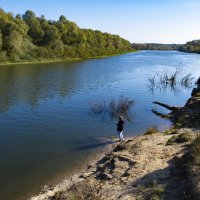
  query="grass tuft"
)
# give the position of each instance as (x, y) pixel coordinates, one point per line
(151, 131)
(171, 131)
(193, 168)
(183, 137)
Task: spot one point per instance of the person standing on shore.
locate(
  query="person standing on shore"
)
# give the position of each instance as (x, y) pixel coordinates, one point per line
(198, 84)
(120, 128)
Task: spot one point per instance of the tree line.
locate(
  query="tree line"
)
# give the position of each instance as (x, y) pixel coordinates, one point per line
(155, 46)
(192, 46)
(30, 38)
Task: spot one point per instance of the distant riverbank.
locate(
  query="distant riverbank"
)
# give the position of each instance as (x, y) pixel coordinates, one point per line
(61, 60)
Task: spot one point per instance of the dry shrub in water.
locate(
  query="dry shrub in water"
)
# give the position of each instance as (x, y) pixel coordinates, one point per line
(167, 80)
(114, 108)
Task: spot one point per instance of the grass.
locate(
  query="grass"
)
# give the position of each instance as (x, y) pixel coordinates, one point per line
(43, 61)
(58, 60)
(193, 168)
(151, 191)
(156, 192)
(171, 131)
(83, 191)
(151, 131)
(183, 137)
(178, 125)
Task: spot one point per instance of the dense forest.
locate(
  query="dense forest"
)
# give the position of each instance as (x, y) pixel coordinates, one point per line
(155, 46)
(31, 38)
(193, 47)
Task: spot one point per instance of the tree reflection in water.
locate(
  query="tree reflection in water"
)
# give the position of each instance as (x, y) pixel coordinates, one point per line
(30, 84)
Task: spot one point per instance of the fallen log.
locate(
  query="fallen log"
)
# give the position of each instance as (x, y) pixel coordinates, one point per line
(160, 114)
(172, 108)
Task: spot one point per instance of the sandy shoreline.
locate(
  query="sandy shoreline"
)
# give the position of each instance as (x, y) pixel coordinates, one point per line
(61, 183)
(135, 161)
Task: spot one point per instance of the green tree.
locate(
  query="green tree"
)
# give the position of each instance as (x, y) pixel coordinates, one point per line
(13, 45)
(35, 30)
(1, 40)
(30, 38)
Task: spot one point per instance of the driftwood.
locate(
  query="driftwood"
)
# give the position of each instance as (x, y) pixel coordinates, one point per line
(160, 114)
(172, 108)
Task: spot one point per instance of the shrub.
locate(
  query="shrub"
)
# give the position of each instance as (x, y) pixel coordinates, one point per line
(183, 137)
(114, 108)
(193, 167)
(151, 131)
(156, 191)
(170, 80)
(83, 191)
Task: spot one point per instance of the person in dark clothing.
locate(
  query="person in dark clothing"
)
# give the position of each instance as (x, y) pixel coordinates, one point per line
(198, 84)
(120, 128)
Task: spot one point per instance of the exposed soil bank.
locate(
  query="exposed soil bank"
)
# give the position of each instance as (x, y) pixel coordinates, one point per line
(186, 116)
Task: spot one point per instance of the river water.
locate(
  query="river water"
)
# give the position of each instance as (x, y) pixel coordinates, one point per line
(46, 128)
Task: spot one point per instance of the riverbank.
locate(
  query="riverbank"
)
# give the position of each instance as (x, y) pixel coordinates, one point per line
(60, 60)
(141, 167)
(152, 166)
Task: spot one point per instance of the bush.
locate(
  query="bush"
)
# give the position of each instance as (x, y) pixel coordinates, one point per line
(156, 191)
(82, 191)
(151, 131)
(193, 167)
(183, 137)
(113, 108)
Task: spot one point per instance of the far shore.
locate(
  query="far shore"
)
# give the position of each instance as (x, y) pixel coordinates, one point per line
(60, 60)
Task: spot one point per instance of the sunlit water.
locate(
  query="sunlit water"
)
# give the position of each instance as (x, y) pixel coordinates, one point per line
(46, 129)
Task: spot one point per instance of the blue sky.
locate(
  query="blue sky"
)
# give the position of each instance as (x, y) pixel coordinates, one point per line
(164, 21)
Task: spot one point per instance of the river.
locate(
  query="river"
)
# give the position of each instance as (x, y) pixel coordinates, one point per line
(46, 128)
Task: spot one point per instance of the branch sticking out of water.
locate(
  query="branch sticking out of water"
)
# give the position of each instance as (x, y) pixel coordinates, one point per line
(187, 80)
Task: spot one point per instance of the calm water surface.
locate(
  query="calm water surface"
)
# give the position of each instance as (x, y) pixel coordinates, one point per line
(46, 129)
